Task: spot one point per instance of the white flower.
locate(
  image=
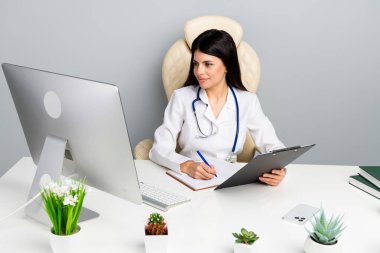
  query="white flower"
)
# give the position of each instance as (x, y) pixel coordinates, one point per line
(65, 189)
(70, 200)
(75, 186)
(68, 182)
(56, 189)
(51, 185)
(60, 190)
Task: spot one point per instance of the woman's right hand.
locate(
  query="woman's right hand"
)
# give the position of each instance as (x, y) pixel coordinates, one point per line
(198, 170)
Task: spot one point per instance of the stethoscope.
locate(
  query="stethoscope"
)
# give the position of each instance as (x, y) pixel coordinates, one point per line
(232, 157)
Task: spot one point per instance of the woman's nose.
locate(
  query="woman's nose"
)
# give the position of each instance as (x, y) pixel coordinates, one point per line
(198, 70)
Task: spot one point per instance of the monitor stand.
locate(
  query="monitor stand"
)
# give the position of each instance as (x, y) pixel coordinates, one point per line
(50, 167)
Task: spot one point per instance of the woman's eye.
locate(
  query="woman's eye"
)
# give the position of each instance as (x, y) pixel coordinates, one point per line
(208, 64)
(195, 64)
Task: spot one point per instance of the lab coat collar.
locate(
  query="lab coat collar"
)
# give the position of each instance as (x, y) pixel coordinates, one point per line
(208, 113)
(230, 103)
(228, 112)
(224, 115)
(203, 96)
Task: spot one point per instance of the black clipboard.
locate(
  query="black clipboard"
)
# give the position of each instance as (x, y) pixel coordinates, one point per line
(264, 163)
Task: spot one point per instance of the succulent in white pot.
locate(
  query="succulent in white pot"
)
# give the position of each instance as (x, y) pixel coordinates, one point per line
(324, 234)
(244, 241)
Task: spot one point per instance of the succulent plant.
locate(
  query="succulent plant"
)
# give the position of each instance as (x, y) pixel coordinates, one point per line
(156, 225)
(246, 237)
(326, 231)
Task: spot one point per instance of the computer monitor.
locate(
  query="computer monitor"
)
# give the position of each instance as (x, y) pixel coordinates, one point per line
(73, 125)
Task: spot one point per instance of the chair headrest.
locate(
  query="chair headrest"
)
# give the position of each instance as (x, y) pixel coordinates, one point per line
(198, 25)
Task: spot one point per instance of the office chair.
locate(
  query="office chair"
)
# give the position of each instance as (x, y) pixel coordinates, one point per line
(176, 65)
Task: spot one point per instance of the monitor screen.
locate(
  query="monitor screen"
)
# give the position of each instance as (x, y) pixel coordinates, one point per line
(74, 124)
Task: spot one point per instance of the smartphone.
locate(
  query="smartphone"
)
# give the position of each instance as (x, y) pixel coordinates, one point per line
(300, 214)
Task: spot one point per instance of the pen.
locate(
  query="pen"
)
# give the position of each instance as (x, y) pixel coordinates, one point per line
(204, 160)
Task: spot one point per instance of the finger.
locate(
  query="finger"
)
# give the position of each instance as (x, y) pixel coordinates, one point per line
(204, 173)
(269, 181)
(279, 171)
(199, 175)
(210, 170)
(194, 172)
(277, 178)
(272, 176)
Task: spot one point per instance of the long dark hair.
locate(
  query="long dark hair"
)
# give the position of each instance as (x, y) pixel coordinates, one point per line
(220, 44)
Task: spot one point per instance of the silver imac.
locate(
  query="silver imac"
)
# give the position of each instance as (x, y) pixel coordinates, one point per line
(73, 125)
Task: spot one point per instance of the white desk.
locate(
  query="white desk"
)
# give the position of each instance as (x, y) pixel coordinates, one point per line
(206, 223)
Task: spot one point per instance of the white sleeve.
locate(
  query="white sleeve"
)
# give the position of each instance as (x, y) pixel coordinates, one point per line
(165, 138)
(262, 130)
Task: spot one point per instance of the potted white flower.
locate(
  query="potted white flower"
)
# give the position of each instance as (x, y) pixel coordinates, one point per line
(156, 234)
(323, 237)
(244, 241)
(63, 202)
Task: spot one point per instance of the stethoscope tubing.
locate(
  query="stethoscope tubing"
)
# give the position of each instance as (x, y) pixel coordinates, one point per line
(237, 115)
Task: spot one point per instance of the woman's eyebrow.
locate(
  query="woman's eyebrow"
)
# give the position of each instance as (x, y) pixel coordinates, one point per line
(206, 61)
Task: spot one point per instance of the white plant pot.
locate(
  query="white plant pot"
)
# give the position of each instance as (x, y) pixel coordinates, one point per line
(243, 248)
(65, 243)
(156, 243)
(312, 246)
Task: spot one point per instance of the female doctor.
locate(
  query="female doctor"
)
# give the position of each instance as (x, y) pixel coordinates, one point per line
(212, 113)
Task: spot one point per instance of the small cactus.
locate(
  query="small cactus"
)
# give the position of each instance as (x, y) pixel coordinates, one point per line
(155, 218)
(156, 225)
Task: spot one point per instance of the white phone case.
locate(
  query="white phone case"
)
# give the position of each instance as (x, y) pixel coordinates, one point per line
(300, 214)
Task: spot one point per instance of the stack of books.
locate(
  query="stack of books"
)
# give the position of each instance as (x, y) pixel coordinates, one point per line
(367, 180)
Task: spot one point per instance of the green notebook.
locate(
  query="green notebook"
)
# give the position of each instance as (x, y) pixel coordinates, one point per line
(364, 185)
(371, 173)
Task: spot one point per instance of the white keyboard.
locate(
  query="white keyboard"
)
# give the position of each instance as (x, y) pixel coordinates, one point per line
(159, 198)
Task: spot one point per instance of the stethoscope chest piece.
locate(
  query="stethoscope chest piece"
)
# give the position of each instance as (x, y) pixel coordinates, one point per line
(232, 158)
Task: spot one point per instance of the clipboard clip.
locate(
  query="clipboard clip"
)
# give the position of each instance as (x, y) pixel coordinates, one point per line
(285, 149)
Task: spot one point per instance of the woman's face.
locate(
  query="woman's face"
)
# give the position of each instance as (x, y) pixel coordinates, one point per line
(209, 70)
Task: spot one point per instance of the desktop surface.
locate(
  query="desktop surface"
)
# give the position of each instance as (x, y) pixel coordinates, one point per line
(206, 222)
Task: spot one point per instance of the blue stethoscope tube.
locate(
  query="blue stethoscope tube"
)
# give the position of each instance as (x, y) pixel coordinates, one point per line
(237, 116)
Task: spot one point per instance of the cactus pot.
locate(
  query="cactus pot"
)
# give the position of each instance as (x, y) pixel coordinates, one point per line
(156, 243)
(312, 246)
(243, 248)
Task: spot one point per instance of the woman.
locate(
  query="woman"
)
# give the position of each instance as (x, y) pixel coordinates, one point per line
(212, 113)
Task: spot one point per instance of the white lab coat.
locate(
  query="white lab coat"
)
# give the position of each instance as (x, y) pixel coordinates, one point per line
(179, 122)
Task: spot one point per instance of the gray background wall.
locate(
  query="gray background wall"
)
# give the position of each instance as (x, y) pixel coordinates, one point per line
(320, 58)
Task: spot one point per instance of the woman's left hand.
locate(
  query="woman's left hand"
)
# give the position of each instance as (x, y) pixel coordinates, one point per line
(274, 178)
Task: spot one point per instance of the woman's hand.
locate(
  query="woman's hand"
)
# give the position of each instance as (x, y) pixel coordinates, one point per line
(274, 178)
(198, 170)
